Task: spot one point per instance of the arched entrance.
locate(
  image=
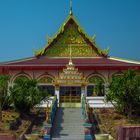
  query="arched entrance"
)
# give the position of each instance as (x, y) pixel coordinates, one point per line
(70, 94)
(70, 86)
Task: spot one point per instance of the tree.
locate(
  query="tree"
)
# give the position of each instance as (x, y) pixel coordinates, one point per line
(124, 92)
(4, 79)
(25, 94)
(99, 88)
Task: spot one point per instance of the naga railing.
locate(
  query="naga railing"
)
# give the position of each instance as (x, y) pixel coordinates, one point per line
(88, 124)
(50, 115)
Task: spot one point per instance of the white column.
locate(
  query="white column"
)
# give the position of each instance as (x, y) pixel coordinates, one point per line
(57, 93)
(83, 91)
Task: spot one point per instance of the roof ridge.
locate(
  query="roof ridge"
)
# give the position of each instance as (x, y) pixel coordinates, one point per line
(17, 60)
(124, 60)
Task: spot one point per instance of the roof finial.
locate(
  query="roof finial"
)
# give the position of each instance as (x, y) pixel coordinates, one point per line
(48, 38)
(71, 7)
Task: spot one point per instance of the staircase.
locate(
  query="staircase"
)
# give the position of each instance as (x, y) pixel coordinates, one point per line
(68, 124)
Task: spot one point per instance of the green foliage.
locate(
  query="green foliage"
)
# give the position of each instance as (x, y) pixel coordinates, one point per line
(4, 79)
(25, 94)
(124, 90)
(99, 88)
(99, 85)
(23, 77)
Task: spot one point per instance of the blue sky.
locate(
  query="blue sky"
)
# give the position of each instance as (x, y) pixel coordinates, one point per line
(25, 24)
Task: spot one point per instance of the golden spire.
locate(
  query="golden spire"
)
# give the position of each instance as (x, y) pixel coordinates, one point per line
(71, 7)
(70, 51)
(70, 61)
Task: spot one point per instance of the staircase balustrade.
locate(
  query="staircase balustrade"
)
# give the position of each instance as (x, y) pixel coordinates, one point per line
(50, 115)
(88, 125)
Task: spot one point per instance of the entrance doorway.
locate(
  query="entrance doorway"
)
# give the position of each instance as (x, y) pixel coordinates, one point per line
(70, 94)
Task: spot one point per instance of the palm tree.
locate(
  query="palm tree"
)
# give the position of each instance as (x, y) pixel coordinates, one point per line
(4, 80)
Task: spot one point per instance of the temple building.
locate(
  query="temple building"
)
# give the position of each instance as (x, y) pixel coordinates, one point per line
(70, 65)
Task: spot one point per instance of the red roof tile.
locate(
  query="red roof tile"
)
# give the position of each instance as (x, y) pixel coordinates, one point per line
(45, 61)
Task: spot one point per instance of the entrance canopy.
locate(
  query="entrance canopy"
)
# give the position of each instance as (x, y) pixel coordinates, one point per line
(70, 76)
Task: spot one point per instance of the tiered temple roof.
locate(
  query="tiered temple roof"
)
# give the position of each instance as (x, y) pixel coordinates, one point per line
(55, 55)
(71, 35)
(60, 63)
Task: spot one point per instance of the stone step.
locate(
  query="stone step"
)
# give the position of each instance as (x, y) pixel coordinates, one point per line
(71, 123)
(69, 138)
(68, 124)
(65, 126)
(69, 118)
(69, 130)
(67, 133)
(68, 115)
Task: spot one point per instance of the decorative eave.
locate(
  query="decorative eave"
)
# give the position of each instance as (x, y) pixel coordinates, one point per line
(91, 42)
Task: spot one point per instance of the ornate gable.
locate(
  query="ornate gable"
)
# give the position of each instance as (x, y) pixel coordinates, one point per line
(71, 35)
